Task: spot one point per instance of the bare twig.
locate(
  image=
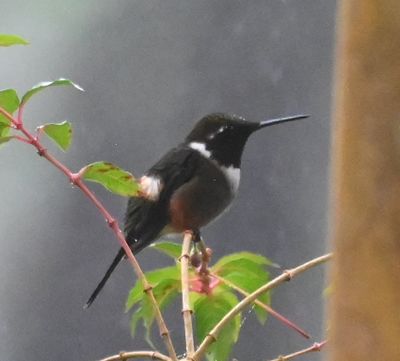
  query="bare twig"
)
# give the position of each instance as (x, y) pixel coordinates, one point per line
(285, 276)
(264, 306)
(186, 310)
(317, 346)
(153, 355)
(76, 179)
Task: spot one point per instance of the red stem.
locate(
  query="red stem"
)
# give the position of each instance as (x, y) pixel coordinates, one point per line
(76, 179)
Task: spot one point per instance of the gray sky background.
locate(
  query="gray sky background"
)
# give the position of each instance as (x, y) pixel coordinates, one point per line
(150, 70)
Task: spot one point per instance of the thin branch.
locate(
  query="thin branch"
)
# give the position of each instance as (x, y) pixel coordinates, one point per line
(186, 310)
(267, 308)
(153, 355)
(111, 221)
(285, 276)
(21, 139)
(317, 346)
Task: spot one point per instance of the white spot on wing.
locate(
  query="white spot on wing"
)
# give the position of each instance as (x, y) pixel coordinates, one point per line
(150, 187)
(232, 174)
(201, 148)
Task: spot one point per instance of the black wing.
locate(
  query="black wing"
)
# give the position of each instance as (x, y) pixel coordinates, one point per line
(145, 219)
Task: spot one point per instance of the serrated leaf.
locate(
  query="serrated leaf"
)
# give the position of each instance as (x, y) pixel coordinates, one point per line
(9, 40)
(248, 272)
(154, 277)
(60, 133)
(240, 256)
(9, 101)
(113, 178)
(43, 85)
(165, 290)
(250, 284)
(171, 249)
(208, 311)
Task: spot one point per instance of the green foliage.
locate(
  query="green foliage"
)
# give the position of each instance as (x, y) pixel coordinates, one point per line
(171, 249)
(60, 133)
(45, 84)
(208, 311)
(4, 139)
(245, 270)
(166, 287)
(9, 101)
(113, 178)
(9, 40)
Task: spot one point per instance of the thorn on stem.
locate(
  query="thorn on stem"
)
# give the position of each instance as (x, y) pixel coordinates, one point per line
(289, 274)
(111, 222)
(41, 151)
(187, 310)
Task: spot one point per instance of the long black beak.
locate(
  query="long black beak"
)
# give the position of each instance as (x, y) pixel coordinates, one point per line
(267, 123)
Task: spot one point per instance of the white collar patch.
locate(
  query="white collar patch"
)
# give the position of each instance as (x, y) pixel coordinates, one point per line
(201, 148)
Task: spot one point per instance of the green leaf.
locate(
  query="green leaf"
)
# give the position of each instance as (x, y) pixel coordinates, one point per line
(243, 256)
(8, 101)
(166, 287)
(5, 139)
(171, 249)
(208, 311)
(248, 272)
(60, 133)
(113, 178)
(4, 131)
(43, 85)
(9, 40)
(154, 277)
(250, 284)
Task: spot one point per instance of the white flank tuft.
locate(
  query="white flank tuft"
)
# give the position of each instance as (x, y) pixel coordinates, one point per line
(150, 187)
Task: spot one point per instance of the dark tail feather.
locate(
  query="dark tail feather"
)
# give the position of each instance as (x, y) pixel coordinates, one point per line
(110, 270)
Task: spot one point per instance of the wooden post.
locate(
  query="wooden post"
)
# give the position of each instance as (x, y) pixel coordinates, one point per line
(364, 314)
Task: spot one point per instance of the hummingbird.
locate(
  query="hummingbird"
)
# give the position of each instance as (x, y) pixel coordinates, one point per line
(191, 185)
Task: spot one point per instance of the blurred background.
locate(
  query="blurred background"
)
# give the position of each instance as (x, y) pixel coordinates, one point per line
(150, 70)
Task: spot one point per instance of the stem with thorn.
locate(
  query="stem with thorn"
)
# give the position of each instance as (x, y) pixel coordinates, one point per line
(76, 180)
(285, 276)
(317, 346)
(186, 310)
(264, 306)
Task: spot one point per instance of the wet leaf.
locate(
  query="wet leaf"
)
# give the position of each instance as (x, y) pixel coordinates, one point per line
(171, 249)
(60, 133)
(8, 101)
(9, 40)
(5, 139)
(166, 287)
(113, 178)
(46, 84)
(154, 278)
(248, 272)
(208, 311)
(243, 257)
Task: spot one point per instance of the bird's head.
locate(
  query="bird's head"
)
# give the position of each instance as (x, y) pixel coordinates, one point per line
(223, 136)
